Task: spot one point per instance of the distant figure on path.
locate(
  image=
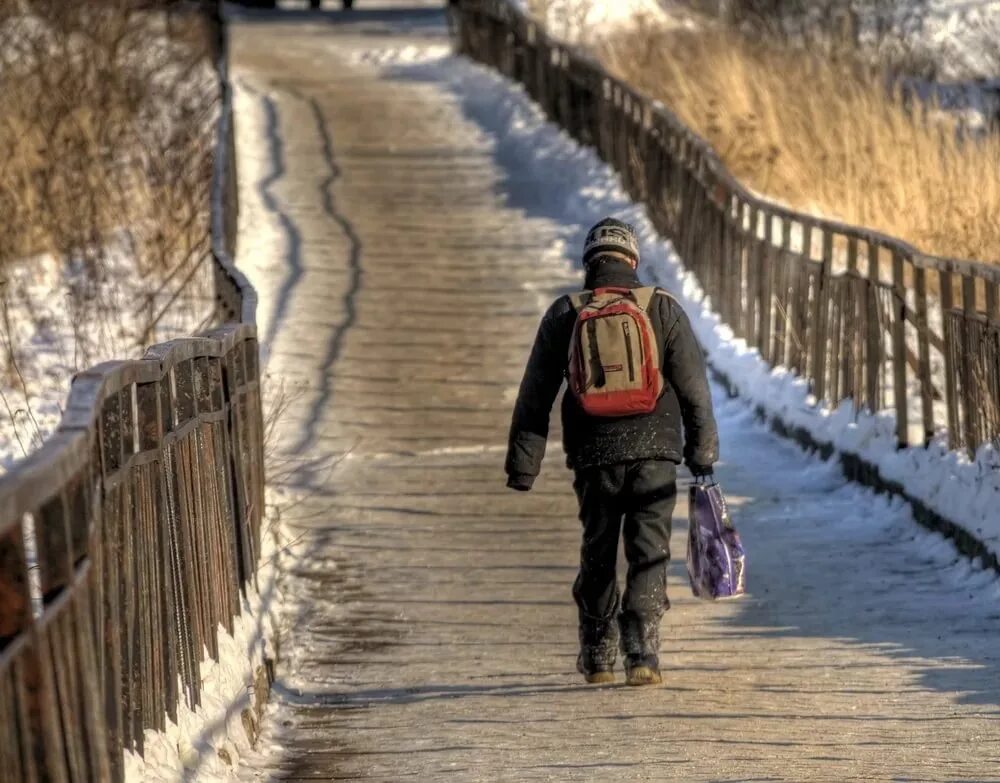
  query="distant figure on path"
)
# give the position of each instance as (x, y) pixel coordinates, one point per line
(453, 13)
(635, 374)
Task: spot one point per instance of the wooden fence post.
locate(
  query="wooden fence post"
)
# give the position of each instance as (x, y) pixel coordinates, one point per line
(970, 408)
(956, 438)
(924, 354)
(900, 391)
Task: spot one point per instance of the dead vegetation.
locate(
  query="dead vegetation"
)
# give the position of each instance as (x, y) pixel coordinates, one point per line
(107, 111)
(823, 134)
(106, 140)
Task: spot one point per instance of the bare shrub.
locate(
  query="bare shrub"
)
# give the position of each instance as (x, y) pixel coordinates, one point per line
(105, 121)
(823, 135)
(106, 140)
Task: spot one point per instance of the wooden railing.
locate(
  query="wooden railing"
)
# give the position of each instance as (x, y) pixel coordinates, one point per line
(140, 518)
(861, 315)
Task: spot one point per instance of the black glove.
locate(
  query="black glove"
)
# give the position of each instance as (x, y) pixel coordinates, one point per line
(520, 481)
(701, 471)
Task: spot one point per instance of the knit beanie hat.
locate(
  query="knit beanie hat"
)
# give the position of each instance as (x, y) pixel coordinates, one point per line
(611, 235)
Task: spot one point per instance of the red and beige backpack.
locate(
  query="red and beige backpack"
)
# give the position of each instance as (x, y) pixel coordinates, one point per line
(614, 357)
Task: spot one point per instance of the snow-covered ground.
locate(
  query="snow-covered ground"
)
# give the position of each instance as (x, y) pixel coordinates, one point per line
(957, 38)
(953, 43)
(964, 491)
(597, 13)
(58, 318)
(62, 313)
(589, 21)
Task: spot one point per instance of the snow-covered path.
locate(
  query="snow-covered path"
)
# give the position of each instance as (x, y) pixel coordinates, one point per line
(406, 219)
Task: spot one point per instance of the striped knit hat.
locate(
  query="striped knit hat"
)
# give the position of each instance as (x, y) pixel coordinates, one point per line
(611, 235)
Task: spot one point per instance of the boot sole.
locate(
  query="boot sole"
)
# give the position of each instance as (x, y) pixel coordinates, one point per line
(643, 675)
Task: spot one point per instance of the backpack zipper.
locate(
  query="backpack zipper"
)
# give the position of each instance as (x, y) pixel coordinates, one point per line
(628, 351)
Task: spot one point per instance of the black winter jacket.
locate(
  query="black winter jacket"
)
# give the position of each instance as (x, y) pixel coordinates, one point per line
(590, 441)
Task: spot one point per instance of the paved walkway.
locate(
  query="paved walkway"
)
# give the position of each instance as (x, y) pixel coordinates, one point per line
(431, 631)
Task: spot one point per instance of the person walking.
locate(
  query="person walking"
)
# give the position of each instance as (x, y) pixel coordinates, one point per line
(454, 14)
(637, 405)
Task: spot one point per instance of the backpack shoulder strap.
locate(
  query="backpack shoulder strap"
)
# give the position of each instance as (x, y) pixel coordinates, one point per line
(581, 300)
(644, 296)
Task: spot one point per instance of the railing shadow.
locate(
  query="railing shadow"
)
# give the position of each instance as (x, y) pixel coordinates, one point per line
(292, 257)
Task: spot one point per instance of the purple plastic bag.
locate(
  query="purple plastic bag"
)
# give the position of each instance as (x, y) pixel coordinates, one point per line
(716, 560)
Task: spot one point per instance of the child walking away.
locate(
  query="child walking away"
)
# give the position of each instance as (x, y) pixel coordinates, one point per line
(637, 405)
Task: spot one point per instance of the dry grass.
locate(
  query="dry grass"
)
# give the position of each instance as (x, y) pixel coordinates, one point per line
(106, 142)
(105, 123)
(823, 136)
(106, 137)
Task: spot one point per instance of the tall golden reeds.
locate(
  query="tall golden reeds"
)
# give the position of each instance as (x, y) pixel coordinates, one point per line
(824, 134)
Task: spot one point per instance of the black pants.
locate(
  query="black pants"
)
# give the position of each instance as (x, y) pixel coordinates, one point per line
(642, 495)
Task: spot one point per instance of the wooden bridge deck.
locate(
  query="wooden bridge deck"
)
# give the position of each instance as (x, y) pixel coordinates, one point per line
(431, 631)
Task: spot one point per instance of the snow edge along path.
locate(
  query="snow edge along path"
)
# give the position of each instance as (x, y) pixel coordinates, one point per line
(962, 491)
(208, 744)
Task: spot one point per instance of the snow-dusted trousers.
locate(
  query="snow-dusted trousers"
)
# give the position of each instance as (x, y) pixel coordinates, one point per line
(635, 500)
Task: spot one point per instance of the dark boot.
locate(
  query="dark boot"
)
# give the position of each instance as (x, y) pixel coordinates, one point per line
(598, 648)
(640, 637)
(595, 674)
(642, 670)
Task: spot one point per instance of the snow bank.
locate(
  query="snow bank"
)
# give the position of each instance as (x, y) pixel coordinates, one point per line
(62, 317)
(207, 744)
(591, 20)
(210, 744)
(59, 316)
(583, 189)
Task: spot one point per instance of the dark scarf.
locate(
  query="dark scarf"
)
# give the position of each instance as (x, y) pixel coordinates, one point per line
(610, 274)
